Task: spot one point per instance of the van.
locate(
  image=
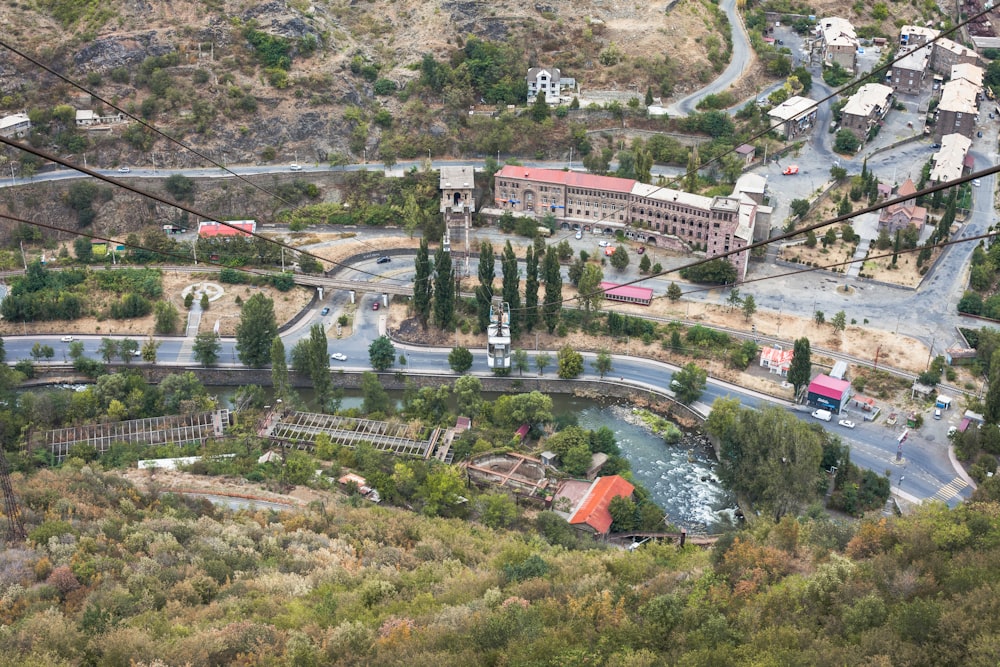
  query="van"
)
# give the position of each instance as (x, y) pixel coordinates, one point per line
(824, 415)
(937, 414)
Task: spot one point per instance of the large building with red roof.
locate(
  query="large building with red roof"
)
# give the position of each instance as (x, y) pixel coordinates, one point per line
(627, 293)
(654, 215)
(592, 512)
(209, 229)
(829, 393)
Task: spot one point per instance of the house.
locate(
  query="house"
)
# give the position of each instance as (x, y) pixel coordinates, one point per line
(907, 74)
(751, 190)
(209, 229)
(840, 43)
(915, 35)
(949, 160)
(362, 486)
(15, 126)
(458, 201)
(597, 461)
(865, 109)
(899, 216)
(549, 459)
(86, 118)
(958, 108)
(946, 54)
(592, 512)
(548, 82)
(746, 153)
(776, 360)
(627, 293)
(971, 73)
(793, 116)
(828, 393)
(656, 216)
(960, 356)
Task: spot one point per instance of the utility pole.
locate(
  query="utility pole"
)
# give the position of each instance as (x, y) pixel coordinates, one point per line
(24, 258)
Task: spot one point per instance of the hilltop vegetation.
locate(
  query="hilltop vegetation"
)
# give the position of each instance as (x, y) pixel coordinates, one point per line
(112, 575)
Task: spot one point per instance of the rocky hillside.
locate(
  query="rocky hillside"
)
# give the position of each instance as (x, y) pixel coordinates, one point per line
(286, 80)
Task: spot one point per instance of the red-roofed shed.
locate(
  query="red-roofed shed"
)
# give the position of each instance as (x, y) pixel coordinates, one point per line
(627, 293)
(593, 510)
(829, 393)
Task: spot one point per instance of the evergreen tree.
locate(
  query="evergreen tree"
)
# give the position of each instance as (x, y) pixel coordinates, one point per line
(511, 286)
(590, 292)
(552, 307)
(279, 369)
(319, 364)
(256, 330)
(484, 292)
(674, 291)
(206, 348)
(444, 289)
(992, 401)
(422, 288)
(644, 264)
(800, 370)
(691, 178)
(531, 291)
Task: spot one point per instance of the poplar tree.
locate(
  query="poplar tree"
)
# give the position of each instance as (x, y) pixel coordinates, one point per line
(531, 290)
(800, 370)
(444, 289)
(422, 288)
(484, 292)
(279, 368)
(511, 286)
(552, 307)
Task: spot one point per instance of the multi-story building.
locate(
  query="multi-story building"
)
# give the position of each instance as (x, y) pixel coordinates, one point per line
(896, 217)
(15, 126)
(840, 42)
(865, 108)
(946, 54)
(658, 216)
(547, 81)
(457, 201)
(951, 160)
(958, 108)
(907, 75)
(971, 73)
(793, 117)
(915, 35)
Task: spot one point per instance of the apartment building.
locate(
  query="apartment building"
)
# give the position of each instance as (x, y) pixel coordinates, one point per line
(907, 74)
(951, 160)
(793, 117)
(958, 109)
(840, 42)
(866, 108)
(946, 54)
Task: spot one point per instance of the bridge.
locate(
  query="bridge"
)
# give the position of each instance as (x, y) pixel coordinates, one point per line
(299, 430)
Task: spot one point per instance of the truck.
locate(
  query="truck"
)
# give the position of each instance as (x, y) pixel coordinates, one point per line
(825, 415)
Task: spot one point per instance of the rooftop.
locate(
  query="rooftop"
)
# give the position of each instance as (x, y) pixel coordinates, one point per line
(750, 183)
(835, 28)
(457, 177)
(573, 179)
(915, 59)
(824, 385)
(670, 195)
(792, 108)
(928, 33)
(593, 510)
(209, 228)
(628, 291)
(950, 158)
(969, 72)
(745, 149)
(15, 119)
(955, 47)
(869, 97)
(959, 96)
(776, 356)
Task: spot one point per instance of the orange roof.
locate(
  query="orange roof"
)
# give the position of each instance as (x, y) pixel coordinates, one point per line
(210, 228)
(574, 179)
(593, 511)
(907, 188)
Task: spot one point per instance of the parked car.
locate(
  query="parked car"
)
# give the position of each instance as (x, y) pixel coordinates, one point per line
(603, 244)
(375, 306)
(337, 356)
(325, 311)
(977, 182)
(935, 145)
(641, 249)
(791, 170)
(67, 339)
(846, 423)
(123, 170)
(579, 235)
(383, 259)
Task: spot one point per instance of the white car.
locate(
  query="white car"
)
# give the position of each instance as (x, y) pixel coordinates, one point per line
(846, 423)
(337, 356)
(579, 235)
(123, 170)
(67, 339)
(603, 244)
(296, 167)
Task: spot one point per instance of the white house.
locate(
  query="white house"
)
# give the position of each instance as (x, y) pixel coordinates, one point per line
(16, 125)
(547, 81)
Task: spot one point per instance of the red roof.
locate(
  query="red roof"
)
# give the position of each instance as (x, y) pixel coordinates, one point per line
(593, 510)
(824, 385)
(522, 431)
(574, 179)
(775, 357)
(210, 228)
(627, 291)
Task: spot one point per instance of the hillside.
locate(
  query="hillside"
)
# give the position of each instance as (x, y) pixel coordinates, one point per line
(115, 576)
(286, 80)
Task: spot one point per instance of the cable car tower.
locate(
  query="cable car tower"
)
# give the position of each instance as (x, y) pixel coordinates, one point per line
(498, 335)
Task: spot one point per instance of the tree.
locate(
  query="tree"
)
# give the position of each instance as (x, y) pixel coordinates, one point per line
(511, 286)
(319, 364)
(619, 258)
(40, 351)
(819, 317)
(422, 287)
(279, 369)
(539, 109)
(108, 349)
(180, 186)
(484, 292)
(734, 300)
(570, 363)
(3, 352)
(800, 370)
(749, 307)
(204, 301)
(542, 361)
(830, 237)
(206, 348)
(839, 321)
(381, 353)
(255, 331)
(442, 491)
(83, 249)
(444, 289)
(375, 399)
(520, 361)
(688, 383)
(589, 291)
(838, 173)
(129, 347)
(991, 403)
(531, 288)
(691, 176)
(602, 364)
(714, 271)
(576, 460)
(810, 239)
(165, 317)
(497, 510)
(674, 291)
(800, 207)
(623, 511)
(460, 359)
(552, 307)
(468, 391)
